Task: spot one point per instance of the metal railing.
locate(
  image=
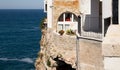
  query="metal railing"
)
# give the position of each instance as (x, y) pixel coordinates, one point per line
(90, 28)
(92, 35)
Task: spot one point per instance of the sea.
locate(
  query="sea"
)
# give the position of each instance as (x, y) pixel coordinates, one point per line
(20, 35)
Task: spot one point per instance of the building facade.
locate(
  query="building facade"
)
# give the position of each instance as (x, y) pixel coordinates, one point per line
(90, 18)
(83, 16)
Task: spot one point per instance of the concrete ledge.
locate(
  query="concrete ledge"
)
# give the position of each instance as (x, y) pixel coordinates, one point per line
(111, 43)
(112, 63)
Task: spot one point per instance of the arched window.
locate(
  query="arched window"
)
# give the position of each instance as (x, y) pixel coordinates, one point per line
(67, 17)
(67, 21)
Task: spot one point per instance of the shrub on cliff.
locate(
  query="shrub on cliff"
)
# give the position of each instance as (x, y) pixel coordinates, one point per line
(61, 32)
(42, 25)
(48, 63)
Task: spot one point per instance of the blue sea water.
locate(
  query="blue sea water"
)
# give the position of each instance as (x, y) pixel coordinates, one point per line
(19, 38)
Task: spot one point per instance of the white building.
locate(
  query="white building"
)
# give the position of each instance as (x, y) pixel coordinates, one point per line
(48, 9)
(95, 16)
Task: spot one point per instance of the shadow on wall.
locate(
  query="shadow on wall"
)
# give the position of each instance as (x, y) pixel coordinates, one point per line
(62, 65)
(91, 22)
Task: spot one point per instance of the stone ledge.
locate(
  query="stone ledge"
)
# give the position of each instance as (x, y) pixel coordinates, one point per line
(111, 43)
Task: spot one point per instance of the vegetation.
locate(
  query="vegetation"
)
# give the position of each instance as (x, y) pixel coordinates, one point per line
(42, 25)
(61, 32)
(40, 55)
(48, 62)
(70, 32)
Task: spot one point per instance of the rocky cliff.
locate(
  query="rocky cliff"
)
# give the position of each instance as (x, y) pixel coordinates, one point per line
(59, 53)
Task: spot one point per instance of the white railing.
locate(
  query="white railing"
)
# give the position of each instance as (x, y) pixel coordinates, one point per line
(90, 35)
(68, 25)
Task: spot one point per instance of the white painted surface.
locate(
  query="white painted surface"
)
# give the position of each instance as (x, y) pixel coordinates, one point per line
(107, 8)
(45, 2)
(85, 6)
(72, 25)
(112, 63)
(49, 13)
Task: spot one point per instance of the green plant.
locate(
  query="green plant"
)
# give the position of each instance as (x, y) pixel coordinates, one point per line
(42, 26)
(40, 55)
(70, 32)
(48, 62)
(61, 32)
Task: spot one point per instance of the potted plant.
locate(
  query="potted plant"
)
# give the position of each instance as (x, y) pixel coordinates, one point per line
(61, 32)
(70, 32)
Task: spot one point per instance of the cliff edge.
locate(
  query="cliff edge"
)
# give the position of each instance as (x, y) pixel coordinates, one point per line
(57, 52)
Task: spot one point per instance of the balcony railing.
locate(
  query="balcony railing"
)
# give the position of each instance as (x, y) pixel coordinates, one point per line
(91, 28)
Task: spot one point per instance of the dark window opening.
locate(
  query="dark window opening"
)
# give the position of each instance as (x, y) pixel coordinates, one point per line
(115, 11)
(68, 17)
(100, 16)
(65, 17)
(107, 22)
(61, 18)
(45, 7)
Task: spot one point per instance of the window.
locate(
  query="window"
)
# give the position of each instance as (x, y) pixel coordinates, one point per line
(60, 27)
(115, 11)
(65, 17)
(75, 19)
(67, 21)
(67, 26)
(63, 26)
(68, 17)
(45, 6)
(61, 18)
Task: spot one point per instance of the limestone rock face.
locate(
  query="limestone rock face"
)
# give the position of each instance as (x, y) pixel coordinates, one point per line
(56, 52)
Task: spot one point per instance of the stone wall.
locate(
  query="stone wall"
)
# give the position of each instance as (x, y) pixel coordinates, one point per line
(62, 6)
(90, 57)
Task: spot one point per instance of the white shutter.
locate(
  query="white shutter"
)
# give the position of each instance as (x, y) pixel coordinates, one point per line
(85, 6)
(107, 8)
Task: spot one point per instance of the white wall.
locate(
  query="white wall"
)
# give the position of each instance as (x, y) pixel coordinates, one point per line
(44, 5)
(49, 13)
(112, 63)
(85, 6)
(107, 8)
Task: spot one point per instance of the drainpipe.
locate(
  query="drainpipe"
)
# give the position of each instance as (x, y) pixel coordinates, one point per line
(77, 53)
